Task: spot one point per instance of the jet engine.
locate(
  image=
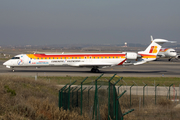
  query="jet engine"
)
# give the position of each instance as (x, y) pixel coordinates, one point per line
(131, 55)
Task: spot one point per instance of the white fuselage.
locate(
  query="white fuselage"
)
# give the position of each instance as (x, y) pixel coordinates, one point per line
(91, 60)
(167, 53)
(78, 60)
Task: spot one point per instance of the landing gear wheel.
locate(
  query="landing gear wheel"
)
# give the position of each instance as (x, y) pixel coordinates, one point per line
(94, 70)
(13, 70)
(169, 59)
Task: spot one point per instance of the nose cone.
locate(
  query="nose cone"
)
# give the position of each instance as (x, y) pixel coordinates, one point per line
(173, 54)
(6, 63)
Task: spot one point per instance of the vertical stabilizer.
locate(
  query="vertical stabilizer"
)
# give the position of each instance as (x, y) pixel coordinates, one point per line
(152, 50)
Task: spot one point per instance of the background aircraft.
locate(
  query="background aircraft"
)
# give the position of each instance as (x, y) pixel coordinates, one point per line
(91, 60)
(168, 53)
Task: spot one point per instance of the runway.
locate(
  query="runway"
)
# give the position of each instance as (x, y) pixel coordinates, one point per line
(160, 68)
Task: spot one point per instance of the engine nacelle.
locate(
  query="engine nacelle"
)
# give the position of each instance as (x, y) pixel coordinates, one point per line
(131, 55)
(177, 56)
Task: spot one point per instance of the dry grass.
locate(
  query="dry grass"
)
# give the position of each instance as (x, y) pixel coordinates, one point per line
(163, 110)
(26, 99)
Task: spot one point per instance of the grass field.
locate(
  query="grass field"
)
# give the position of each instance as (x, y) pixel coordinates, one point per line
(23, 98)
(129, 80)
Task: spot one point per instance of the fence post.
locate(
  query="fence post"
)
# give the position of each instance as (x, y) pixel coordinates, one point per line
(60, 95)
(117, 110)
(114, 96)
(82, 93)
(169, 90)
(143, 93)
(175, 96)
(95, 98)
(69, 94)
(155, 93)
(130, 94)
(109, 96)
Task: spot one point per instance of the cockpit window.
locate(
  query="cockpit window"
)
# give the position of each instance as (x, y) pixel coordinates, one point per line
(15, 58)
(172, 51)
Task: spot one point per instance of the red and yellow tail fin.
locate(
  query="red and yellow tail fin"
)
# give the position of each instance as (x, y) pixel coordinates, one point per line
(152, 50)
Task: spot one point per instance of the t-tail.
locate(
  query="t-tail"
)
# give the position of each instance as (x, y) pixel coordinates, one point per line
(149, 54)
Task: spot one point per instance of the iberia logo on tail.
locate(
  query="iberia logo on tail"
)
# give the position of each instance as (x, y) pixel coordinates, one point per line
(153, 49)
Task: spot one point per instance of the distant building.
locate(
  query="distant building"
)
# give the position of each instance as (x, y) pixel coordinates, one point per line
(28, 45)
(125, 44)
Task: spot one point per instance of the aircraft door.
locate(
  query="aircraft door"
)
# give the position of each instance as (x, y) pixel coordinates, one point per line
(20, 60)
(26, 60)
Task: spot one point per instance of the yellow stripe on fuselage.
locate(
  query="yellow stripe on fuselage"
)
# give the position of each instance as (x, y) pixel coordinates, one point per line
(39, 56)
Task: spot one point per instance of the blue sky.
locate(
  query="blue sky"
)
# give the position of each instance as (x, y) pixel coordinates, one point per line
(40, 22)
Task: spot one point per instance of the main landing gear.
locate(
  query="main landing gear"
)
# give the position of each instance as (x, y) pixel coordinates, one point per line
(95, 70)
(169, 59)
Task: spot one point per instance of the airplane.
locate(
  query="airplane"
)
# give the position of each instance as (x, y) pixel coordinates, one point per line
(90, 60)
(167, 53)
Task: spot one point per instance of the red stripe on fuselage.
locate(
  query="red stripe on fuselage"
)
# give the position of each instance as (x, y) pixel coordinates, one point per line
(78, 55)
(122, 62)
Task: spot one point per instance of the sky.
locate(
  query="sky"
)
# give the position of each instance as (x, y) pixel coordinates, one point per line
(47, 22)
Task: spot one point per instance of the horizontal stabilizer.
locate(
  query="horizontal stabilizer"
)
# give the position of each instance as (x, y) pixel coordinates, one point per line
(141, 62)
(162, 41)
